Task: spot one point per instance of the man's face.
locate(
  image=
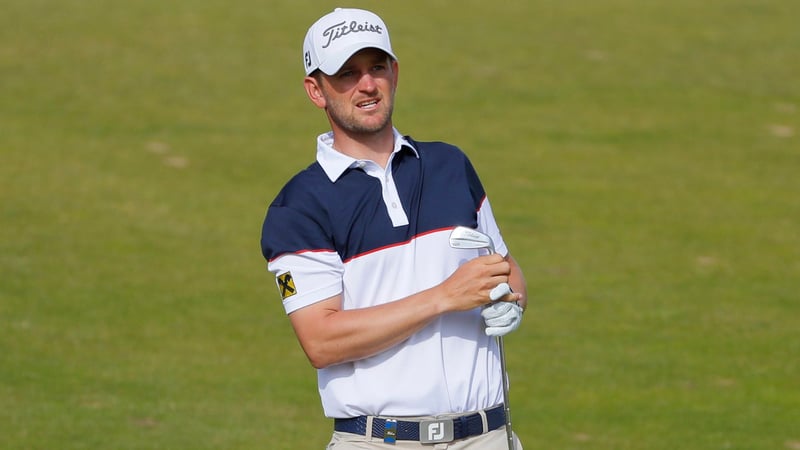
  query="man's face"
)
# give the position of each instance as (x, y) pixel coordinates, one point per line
(359, 98)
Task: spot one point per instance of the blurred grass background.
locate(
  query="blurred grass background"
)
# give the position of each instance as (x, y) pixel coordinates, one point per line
(642, 159)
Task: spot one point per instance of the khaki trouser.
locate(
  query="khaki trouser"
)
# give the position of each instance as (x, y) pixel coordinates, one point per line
(493, 440)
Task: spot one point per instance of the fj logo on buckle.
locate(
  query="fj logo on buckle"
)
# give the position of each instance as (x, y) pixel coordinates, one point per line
(435, 431)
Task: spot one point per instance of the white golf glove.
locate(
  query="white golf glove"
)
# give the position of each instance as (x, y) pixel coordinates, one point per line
(500, 291)
(501, 318)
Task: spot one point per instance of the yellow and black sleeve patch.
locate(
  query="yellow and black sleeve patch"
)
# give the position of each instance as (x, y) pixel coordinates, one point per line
(286, 285)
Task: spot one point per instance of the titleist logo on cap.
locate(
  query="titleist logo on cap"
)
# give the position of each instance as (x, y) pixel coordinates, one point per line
(342, 29)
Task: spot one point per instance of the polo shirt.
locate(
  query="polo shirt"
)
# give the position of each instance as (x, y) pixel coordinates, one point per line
(349, 227)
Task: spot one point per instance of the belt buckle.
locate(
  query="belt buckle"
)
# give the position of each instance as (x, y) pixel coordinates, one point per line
(436, 431)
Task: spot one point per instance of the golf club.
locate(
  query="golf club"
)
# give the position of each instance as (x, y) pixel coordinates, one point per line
(467, 238)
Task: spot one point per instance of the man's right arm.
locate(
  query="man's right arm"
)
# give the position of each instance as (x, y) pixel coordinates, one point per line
(331, 335)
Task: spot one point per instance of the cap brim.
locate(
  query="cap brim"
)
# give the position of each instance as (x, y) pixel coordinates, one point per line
(332, 65)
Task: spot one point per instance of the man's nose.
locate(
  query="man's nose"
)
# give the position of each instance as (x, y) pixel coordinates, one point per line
(367, 83)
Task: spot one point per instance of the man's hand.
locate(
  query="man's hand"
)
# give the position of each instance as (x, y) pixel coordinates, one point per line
(470, 285)
(501, 318)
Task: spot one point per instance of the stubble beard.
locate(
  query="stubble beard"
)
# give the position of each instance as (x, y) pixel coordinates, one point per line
(350, 123)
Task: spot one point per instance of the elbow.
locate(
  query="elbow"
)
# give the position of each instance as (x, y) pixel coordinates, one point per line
(318, 361)
(319, 357)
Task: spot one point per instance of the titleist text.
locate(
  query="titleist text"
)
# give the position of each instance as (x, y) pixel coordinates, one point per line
(342, 29)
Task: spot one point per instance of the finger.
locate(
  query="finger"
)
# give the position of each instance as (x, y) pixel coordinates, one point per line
(500, 291)
(502, 330)
(498, 331)
(501, 321)
(505, 323)
(495, 310)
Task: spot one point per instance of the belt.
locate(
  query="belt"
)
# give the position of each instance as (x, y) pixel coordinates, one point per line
(463, 426)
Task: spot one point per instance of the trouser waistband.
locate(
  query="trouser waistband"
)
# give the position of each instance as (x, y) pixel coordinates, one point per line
(409, 430)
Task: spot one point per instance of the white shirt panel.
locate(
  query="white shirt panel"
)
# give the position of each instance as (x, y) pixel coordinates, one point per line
(487, 224)
(418, 368)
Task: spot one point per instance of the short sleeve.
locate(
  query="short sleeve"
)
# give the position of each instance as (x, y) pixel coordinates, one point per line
(299, 253)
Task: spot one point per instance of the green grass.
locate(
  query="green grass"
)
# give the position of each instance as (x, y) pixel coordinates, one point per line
(641, 157)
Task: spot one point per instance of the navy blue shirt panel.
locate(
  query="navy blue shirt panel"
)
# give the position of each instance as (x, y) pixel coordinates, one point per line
(440, 189)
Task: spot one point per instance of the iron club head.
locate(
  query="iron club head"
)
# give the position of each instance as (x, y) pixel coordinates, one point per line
(467, 238)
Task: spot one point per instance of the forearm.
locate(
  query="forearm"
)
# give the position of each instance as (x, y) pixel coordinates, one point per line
(339, 336)
(516, 280)
(331, 335)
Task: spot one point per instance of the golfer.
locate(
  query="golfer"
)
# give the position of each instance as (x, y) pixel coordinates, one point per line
(398, 324)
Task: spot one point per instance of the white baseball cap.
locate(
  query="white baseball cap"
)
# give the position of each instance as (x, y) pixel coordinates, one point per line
(337, 36)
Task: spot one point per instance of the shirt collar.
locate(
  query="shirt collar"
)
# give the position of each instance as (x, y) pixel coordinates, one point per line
(335, 163)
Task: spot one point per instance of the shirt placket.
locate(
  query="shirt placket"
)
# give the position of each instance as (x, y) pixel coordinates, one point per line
(391, 198)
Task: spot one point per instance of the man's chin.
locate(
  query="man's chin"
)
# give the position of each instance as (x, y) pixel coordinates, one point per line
(365, 128)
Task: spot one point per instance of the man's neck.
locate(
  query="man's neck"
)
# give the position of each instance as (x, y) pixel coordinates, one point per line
(376, 147)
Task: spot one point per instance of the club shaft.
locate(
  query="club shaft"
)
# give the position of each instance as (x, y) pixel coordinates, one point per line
(502, 349)
(509, 430)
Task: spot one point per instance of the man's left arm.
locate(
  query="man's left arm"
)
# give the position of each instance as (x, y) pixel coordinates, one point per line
(517, 281)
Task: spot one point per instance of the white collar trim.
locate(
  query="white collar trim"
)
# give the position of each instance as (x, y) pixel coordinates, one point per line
(335, 163)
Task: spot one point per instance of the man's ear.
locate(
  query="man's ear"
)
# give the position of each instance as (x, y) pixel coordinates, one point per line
(314, 92)
(396, 70)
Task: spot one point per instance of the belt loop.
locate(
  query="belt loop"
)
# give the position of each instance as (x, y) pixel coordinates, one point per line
(484, 421)
(369, 428)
